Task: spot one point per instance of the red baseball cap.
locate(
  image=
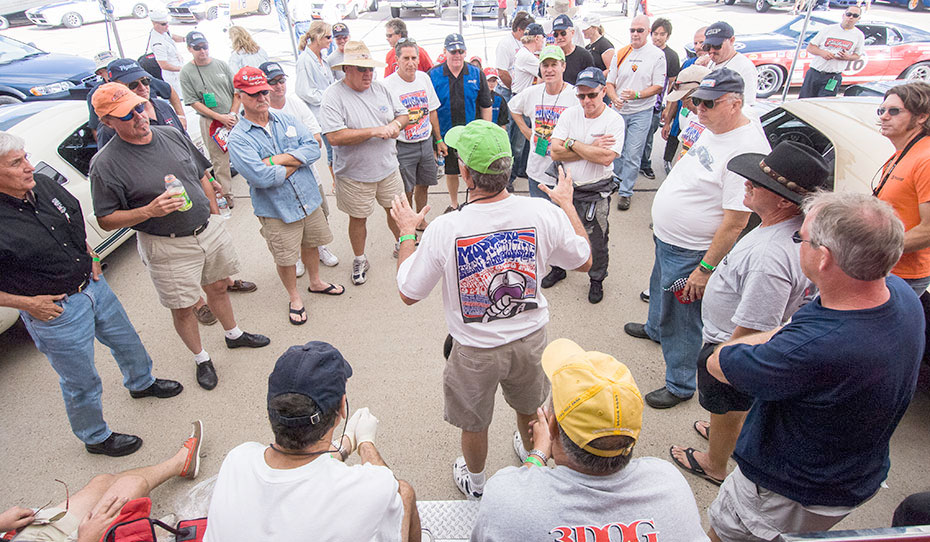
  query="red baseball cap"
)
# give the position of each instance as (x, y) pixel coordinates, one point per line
(250, 80)
(491, 72)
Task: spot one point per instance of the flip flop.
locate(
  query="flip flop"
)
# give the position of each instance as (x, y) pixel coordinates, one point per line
(693, 466)
(329, 290)
(301, 313)
(704, 434)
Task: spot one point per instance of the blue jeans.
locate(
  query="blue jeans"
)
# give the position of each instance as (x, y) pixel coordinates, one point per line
(650, 137)
(676, 325)
(626, 166)
(68, 342)
(519, 148)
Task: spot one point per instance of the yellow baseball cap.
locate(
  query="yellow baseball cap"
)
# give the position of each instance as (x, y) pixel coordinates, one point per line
(593, 396)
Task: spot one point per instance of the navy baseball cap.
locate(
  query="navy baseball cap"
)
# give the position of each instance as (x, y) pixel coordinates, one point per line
(340, 29)
(195, 38)
(718, 33)
(717, 83)
(535, 29)
(590, 77)
(315, 370)
(125, 70)
(454, 42)
(562, 22)
(271, 69)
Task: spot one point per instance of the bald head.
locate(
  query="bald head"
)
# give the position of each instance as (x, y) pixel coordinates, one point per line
(644, 20)
(639, 30)
(699, 41)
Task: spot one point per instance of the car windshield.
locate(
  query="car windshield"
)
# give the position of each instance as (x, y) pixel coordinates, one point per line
(793, 29)
(780, 125)
(12, 50)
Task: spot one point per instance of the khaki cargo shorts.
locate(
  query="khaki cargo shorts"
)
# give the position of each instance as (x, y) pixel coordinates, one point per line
(286, 240)
(61, 530)
(358, 199)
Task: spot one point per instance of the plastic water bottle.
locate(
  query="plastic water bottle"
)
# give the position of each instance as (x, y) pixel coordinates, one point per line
(174, 187)
(441, 161)
(224, 207)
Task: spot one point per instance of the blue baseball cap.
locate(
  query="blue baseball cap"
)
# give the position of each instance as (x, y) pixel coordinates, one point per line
(718, 33)
(125, 70)
(454, 42)
(535, 29)
(562, 22)
(590, 77)
(195, 38)
(719, 82)
(271, 69)
(340, 29)
(315, 370)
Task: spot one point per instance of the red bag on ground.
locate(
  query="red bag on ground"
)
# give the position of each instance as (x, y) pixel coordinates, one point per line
(134, 525)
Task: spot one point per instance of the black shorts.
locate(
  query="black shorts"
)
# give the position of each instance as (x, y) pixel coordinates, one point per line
(715, 396)
(452, 162)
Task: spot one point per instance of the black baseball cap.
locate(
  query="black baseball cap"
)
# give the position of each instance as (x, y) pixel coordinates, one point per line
(454, 42)
(590, 77)
(562, 22)
(718, 33)
(125, 70)
(315, 370)
(271, 69)
(535, 29)
(195, 38)
(717, 83)
(340, 29)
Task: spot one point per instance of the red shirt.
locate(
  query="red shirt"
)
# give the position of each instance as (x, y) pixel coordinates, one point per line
(424, 64)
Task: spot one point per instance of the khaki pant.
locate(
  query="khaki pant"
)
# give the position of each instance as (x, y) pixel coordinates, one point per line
(218, 158)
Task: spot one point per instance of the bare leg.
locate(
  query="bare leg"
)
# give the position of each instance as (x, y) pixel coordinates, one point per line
(391, 224)
(218, 299)
(358, 232)
(409, 198)
(726, 428)
(713, 535)
(523, 426)
(475, 449)
(410, 527)
(311, 259)
(452, 184)
(288, 276)
(200, 303)
(420, 197)
(185, 324)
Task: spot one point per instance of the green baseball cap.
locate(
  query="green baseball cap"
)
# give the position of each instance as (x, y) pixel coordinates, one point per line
(479, 143)
(552, 51)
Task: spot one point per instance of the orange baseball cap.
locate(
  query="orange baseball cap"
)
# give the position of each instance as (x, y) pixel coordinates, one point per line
(114, 99)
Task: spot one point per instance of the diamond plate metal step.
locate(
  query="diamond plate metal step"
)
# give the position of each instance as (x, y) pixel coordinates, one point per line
(448, 520)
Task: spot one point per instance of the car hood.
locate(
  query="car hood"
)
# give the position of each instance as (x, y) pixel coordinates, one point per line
(46, 68)
(186, 3)
(757, 43)
(56, 5)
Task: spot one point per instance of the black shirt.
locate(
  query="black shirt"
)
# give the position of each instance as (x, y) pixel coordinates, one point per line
(574, 63)
(457, 95)
(597, 49)
(43, 249)
(672, 69)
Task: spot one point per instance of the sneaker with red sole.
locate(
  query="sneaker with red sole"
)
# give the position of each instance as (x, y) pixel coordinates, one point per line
(192, 463)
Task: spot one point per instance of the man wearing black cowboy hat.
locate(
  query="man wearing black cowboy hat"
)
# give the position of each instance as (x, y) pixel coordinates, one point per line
(756, 287)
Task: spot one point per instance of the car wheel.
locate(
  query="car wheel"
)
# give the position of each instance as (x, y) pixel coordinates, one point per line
(353, 14)
(915, 5)
(395, 12)
(264, 7)
(769, 79)
(140, 11)
(4, 23)
(72, 20)
(213, 13)
(762, 6)
(437, 10)
(373, 6)
(918, 72)
(5, 99)
(729, 2)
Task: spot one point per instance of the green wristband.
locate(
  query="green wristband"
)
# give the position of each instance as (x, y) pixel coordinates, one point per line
(407, 238)
(270, 161)
(707, 266)
(533, 460)
(96, 258)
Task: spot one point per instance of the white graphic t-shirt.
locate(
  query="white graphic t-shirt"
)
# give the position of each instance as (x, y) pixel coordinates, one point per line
(419, 98)
(835, 39)
(544, 109)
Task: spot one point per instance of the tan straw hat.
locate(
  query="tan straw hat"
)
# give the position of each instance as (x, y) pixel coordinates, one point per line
(357, 54)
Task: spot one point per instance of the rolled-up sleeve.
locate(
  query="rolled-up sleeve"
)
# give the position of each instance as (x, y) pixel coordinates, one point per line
(247, 161)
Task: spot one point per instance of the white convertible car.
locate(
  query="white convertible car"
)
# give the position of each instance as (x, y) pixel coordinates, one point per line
(74, 13)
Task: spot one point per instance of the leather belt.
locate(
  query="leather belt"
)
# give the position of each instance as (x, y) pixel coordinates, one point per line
(80, 288)
(195, 232)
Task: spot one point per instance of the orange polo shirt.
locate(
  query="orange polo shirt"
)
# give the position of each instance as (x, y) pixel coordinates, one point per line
(907, 187)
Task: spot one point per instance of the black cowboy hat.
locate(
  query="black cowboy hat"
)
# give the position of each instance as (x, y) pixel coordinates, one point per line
(792, 170)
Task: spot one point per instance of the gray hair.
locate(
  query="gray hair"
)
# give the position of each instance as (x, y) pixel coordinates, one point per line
(405, 42)
(10, 142)
(863, 234)
(493, 182)
(595, 463)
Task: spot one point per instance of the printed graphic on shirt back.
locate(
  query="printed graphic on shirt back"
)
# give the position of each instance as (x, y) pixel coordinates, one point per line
(546, 118)
(417, 105)
(642, 530)
(497, 274)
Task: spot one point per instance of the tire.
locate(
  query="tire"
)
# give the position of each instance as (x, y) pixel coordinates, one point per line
(5, 99)
(395, 12)
(72, 20)
(354, 13)
(438, 10)
(264, 7)
(4, 23)
(729, 2)
(770, 78)
(213, 13)
(140, 11)
(918, 72)
(915, 5)
(762, 6)
(373, 6)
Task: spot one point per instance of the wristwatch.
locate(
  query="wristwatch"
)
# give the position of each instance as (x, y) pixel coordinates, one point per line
(569, 143)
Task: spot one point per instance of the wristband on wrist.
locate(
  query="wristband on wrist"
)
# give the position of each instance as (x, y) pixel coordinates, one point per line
(408, 237)
(96, 258)
(707, 266)
(270, 161)
(636, 95)
(533, 461)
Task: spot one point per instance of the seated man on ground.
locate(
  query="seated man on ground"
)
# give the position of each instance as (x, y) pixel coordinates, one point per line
(87, 515)
(589, 428)
(299, 488)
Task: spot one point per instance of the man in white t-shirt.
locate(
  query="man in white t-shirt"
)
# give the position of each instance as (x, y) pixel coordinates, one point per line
(161, 43)
(299, 109)
(833, 50)
(632, 87)
(526, 62)
(720, 44)
(507, 48)
(488, 255)
(588, 138)
(415, 154)
(299, 487)
(589, 428)
(697, 215)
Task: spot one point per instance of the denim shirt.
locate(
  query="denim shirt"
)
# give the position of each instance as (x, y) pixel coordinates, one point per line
(274, 196)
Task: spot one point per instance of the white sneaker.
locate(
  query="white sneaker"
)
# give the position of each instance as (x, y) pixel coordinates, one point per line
(360, 271)
(463, 480)
(300, 268)
(328, 258)
(518, 447)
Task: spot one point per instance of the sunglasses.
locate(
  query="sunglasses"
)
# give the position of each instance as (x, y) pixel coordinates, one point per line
(135, 84)
(329, 37)
(203, 47)
(259, 93)
(708, 47)
(363, 69)
(698, 102)
(589, 95)
(137, 109)
(277, 81)
(560, 33)
(892, 111)
(162, 24)
(851, 15)
(796, 237)
(637, 30)
(457, 52)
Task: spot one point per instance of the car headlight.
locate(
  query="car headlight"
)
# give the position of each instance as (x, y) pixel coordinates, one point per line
(54, 88)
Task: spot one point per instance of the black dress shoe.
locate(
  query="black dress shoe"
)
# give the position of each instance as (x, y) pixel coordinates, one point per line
(595, 292)
(623, 203)
(160, 388)
(553, 277)
(116, 445)
(206, 375)
(252, 340)
(648, 172)
(637, 330)
(662, 398)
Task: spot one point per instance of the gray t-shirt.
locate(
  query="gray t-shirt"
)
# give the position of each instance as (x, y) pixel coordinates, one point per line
(373, 159)
(540, 504)
(124, 176)
(758, 285)
(335, 58)
(214, 78)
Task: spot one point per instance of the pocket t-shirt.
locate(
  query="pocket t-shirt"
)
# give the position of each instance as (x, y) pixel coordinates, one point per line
(419, 98)
(544, 109)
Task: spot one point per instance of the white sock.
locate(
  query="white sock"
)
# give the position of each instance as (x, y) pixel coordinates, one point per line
(234, 333)
(361, 258)
(477, 480)
(201, 357)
